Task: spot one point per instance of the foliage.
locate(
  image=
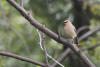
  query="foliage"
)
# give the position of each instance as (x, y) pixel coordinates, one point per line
(19, 37)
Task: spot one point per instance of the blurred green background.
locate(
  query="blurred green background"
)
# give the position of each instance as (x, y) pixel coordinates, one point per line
(19, 37)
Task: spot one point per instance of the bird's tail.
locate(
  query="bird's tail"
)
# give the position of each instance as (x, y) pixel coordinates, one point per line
(76, 41)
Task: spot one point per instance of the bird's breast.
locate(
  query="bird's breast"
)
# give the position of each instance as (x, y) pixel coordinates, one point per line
(69, 31)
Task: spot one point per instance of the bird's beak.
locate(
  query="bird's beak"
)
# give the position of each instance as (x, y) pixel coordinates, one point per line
(63, 23)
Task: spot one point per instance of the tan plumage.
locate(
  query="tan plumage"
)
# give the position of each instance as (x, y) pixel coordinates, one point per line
(70, 30)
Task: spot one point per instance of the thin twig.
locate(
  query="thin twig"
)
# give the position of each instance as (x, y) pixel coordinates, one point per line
(51, 34)
(45, 51)
(42, 45)
(55, 60)
(21, 58)
(21, 3)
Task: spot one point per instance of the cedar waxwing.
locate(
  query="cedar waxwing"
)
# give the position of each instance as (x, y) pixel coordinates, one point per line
(67, 30)
(70, 31)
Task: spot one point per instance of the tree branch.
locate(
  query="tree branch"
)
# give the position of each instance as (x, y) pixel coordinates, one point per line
(84, 36)
(91, 47)
(42, 45)
(51, 34)
(21, 3)
(62, 57)
(21, 58)
(45, 51)
(82, 28)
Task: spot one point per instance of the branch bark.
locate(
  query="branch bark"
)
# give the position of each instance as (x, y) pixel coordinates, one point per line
(42, 46)
(91, 47)
(87, 34)
(62, 57)
(45, 50)
(82, 28)
(21, 58)
(21, 3)
(50, 33)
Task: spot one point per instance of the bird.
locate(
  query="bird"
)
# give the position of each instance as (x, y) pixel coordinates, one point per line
(68, 30)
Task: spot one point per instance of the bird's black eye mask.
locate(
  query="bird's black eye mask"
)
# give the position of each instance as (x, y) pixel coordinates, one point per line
(65, 22)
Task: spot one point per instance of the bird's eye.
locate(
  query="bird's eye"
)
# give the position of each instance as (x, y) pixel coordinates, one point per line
(65, 21)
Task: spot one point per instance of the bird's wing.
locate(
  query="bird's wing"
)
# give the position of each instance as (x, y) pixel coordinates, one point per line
(74, 28)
